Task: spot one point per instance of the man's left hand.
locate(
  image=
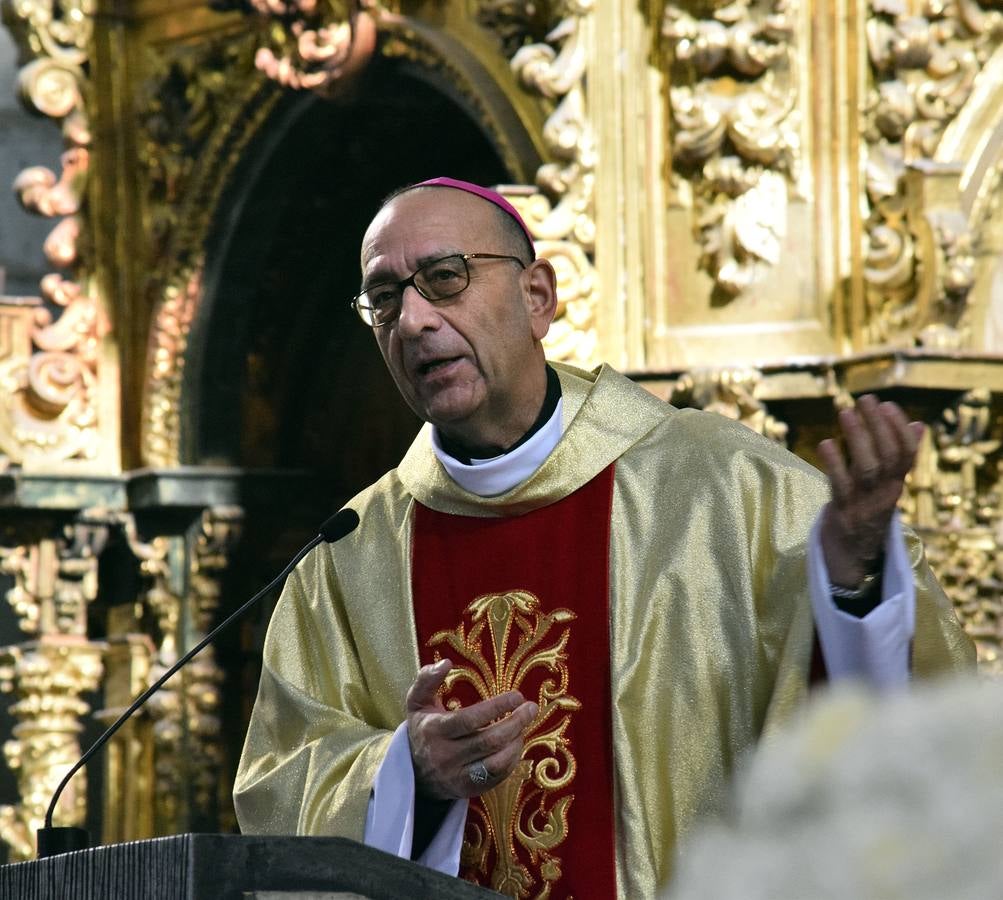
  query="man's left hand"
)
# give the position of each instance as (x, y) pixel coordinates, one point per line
(881, 444)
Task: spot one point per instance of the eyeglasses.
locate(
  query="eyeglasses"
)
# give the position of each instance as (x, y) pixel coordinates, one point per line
(440, 279)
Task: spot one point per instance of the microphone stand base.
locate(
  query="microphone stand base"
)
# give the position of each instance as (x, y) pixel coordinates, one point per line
(53, 841)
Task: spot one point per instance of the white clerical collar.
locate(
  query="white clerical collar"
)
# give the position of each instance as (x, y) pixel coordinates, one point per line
(490, 477)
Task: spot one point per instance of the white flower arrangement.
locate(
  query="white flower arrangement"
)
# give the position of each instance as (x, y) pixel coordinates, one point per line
(894, 798)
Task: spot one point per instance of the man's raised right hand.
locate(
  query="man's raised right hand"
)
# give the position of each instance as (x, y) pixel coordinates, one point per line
(463, 752)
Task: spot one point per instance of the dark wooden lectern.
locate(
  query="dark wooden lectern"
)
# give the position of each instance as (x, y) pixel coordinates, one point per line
(230, 867)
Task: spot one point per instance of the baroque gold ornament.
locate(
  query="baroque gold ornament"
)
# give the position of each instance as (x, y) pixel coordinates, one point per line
(161, 419)
(920, 246)
(560, 212)
(730, 393)
(54, 582)
(48, 401)
(159, 566)
(573, 336)
(49, 411)
(198, 107)
(313, 44)
(954, 499)
(47, 678)
(736, 135)
(181, 588)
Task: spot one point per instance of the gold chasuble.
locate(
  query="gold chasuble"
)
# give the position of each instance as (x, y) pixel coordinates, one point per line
(709, 623)
(520, 603)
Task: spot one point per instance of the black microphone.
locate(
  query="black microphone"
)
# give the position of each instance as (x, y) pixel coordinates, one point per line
(53, 840)
(342, 523)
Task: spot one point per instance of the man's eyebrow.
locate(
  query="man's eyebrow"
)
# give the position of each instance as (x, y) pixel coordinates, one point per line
(382, 275)
(377, 276)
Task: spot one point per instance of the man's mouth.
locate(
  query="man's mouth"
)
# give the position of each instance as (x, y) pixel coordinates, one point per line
(427, 368)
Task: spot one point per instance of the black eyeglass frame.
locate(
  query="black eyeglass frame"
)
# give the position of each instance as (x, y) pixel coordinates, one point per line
(410, 281)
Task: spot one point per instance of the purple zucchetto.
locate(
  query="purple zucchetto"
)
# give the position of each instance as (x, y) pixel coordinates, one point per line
(483, 192)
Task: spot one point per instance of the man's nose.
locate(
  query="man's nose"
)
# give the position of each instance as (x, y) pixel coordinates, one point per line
(417, 314)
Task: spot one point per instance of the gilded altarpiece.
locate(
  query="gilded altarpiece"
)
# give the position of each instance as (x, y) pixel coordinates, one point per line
(762, 208)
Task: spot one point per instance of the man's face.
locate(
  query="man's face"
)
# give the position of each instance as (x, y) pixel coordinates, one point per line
(472, 364)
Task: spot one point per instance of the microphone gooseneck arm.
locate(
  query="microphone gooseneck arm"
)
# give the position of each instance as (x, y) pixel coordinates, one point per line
(335, 528)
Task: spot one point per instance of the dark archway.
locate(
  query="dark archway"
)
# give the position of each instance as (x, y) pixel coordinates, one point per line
(284, 374)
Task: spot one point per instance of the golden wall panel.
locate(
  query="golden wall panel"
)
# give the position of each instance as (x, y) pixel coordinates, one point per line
(740, 236)
(793, 178)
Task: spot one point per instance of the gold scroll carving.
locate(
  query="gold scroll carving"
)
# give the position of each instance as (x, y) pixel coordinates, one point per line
(736, 131)
(48, 379)
(314, 45)
(49, 406)
(919, 260)
(508, 638)
(560, 211)
(54, 581)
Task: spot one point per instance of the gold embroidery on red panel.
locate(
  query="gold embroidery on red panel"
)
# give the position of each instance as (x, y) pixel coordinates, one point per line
(522, 820)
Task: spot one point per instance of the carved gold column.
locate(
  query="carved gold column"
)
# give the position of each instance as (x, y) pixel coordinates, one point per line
(47, 677)
(955, 500)
(174, 746)
(166, 709)
(54, 580)
(127, 803)
(151, 792)
(209, 556)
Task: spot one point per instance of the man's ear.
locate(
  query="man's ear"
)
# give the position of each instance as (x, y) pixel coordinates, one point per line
(541, 295)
